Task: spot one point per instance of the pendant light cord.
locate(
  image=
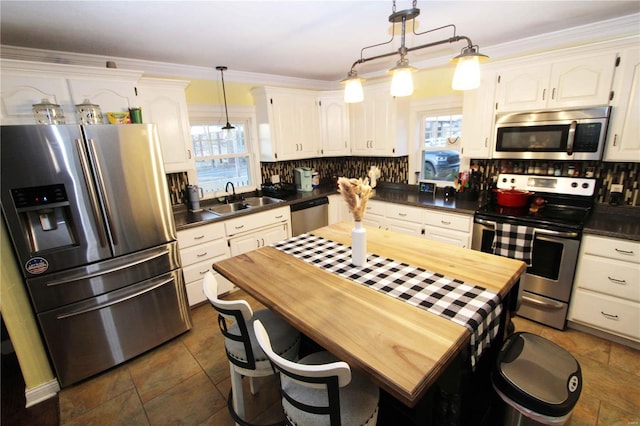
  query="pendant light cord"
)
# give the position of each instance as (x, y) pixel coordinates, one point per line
(224, 94)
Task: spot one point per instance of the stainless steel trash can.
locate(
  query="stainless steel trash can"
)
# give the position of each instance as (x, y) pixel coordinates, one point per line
(539, 381)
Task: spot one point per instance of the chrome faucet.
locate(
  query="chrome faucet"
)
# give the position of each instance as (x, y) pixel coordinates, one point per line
(233, 189)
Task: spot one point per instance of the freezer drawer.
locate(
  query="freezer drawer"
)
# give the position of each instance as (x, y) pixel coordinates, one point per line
(62, 288)
(91, 336)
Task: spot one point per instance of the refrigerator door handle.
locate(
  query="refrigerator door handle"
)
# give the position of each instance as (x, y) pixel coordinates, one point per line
(113, 302)
(103, 191)
(110, 270)
(93, 197)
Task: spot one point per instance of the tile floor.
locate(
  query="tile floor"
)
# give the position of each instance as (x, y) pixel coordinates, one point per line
(186, 382)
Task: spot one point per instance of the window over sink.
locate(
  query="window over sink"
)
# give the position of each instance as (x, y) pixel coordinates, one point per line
(223, 156)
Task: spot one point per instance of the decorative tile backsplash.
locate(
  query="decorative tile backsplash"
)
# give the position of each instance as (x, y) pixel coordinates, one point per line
(396, 170)
(392, 169)
(606, 174)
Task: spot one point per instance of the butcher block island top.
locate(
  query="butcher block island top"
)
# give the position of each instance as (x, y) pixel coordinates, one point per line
(403, 348)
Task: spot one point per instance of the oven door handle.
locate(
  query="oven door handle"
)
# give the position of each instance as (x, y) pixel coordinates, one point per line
(558, 234)
(546, 304)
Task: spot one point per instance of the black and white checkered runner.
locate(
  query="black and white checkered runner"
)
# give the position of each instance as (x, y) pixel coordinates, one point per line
(466, 304)
(514, 241)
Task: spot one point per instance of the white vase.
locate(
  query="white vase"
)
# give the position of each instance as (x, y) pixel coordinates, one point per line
(358, 245)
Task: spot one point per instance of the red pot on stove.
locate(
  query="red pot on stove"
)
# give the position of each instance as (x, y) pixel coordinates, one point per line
(512, 197)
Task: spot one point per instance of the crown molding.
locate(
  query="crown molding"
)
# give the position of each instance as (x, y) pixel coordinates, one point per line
(609, 30)
(151, 68)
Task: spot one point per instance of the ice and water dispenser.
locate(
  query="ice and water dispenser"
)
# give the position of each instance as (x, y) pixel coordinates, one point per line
(45, 216)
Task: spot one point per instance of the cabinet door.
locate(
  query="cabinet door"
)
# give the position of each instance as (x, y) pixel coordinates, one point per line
(21, 91)
(447, 236)
(334, 126)
(623, 143)
(258, 239)
(295, 124)
(582, 81)
(405, 227)
(478, 121)
(370, 123)
(110, 95)
(522, 89)
(164, 103)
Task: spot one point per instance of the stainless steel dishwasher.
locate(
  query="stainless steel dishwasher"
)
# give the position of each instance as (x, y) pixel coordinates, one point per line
(309, 215)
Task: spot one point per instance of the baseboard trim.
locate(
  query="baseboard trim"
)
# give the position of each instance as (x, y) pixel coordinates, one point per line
(41, 392)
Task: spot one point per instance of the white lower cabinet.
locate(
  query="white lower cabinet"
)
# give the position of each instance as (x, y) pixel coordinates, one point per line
(606, 290)
(449, 228)
(258, 239)
(200, 247)
(435, 225)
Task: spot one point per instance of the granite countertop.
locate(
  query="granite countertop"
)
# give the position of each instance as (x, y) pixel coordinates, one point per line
(609, 221)
(395, 193)
(614, 221)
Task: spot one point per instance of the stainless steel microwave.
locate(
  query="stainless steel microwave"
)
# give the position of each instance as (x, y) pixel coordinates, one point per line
(577, 134)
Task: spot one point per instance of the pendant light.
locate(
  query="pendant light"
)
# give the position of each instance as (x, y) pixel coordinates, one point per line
(466, 76)
(227, 126)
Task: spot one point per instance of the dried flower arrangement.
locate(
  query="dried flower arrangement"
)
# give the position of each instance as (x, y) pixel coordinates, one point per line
(355, 192)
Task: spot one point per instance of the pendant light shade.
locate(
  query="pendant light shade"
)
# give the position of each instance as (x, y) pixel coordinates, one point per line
(402, 80)
(353, 88)
(227, 126)
(467, 73)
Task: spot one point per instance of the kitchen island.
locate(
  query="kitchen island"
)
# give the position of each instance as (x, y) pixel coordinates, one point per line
(404, 349)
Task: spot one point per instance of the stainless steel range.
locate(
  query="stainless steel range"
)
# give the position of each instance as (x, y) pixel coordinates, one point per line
(558, 222)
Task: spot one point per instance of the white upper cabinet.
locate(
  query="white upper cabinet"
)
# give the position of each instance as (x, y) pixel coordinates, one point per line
(112, 95)
(164, 103)
(25, 83)
(478, 118)
(583, 80)
(379, 125)
(288, 123)
(334, 125)
(623, 142)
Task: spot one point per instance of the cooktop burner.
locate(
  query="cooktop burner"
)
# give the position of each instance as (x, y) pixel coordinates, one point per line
(563, 202)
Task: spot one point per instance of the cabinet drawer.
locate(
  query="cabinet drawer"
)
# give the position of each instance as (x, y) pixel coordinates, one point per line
(374, 207)
(456, 222)
(408, 213)
(613, 248)
(195, 293)
(256, 220)
(619, 279)
(196, 271)
(447, 236)
(608, 313)
(202, 252)
(201, 234)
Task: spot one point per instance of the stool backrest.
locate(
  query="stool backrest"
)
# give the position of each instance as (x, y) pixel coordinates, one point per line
(330, 376)
(238, 311)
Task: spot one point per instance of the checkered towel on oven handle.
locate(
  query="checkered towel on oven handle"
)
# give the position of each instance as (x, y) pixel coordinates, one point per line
(471, 306)
(514, 241)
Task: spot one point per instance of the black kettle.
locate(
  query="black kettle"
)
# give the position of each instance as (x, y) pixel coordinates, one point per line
(449, 192)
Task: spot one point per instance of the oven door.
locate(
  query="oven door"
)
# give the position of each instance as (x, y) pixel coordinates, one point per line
(555, 254)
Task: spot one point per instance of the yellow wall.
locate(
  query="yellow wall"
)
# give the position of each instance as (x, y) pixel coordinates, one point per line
(427, 83)
(17, 315)
(210, 92)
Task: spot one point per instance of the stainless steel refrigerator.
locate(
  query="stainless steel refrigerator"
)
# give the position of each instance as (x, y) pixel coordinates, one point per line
(90, 219)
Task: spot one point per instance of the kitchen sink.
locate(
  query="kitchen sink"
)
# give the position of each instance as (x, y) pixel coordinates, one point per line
(261, 201)
(223, 209)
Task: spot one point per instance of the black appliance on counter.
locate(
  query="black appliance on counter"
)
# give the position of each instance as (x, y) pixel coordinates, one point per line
(278, 190)
(562, 208)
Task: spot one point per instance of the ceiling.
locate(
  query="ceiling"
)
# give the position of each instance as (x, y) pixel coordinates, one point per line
(316, 40)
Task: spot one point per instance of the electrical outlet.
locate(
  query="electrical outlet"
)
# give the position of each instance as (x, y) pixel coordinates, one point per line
(275, 178)
(617, 187)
